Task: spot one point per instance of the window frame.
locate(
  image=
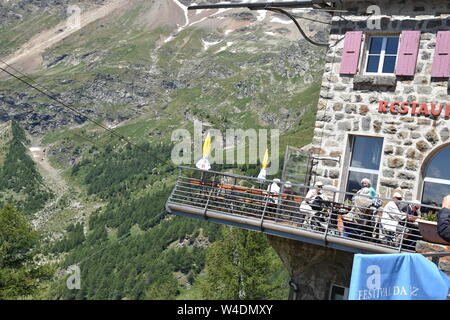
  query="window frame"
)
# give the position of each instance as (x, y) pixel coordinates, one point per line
(348, 159)
(382, 54)
(333, 287)
(424, 179)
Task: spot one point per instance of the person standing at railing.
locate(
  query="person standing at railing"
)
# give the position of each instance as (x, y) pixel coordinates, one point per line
(408, 224)
(311, 203)
(314, 192)
(274, 190)
(390, 217)
(443, 226)
(359, 221)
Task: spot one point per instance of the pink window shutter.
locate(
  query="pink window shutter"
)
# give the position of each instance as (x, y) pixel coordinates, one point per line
(352, 49)
(441, 62)
(408, 52)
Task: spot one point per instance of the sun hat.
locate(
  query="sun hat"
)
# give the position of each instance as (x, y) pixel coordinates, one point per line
(397, 195)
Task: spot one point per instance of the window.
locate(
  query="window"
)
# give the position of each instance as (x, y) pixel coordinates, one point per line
(436, 183)
(365, 159)
(338, 293)
(382, 54)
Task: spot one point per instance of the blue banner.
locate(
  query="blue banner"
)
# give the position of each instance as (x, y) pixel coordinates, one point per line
(397, 277)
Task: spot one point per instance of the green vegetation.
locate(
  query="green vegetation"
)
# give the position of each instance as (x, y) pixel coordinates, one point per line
(242, 266)
(430, 217)
(134, 250)
(20, 182)
(20, 275)
(13, 36)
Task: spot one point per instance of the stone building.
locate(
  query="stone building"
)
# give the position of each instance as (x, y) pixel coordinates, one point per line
(384, 105)
(383, 114)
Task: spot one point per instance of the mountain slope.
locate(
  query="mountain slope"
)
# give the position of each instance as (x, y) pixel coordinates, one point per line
(20, 182)
(116, 73)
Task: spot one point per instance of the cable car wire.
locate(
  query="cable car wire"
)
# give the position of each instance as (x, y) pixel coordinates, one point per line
(53, 97)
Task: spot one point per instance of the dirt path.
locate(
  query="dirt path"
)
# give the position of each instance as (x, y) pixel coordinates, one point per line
(29, 56)
(68, 205)
(51, 175)
(52, 179)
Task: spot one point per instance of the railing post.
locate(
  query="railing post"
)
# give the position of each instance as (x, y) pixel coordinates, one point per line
(329, 220)
(435, 260)
(209, 198)
(402, 236)
(264, 212)
(279, 202)
(176, 184)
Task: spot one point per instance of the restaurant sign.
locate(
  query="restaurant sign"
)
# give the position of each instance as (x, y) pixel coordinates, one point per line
(414, 108)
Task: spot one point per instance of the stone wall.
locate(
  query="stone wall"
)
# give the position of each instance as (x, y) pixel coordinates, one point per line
(427, 247)
(349, 104)
(313, 268)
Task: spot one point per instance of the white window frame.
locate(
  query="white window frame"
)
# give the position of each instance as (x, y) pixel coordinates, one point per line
(437, 180)
(351, 138)
(382, 54)
(423, 171)
(431, 180)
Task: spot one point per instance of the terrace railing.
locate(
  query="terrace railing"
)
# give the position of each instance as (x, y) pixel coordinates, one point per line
(245, 202)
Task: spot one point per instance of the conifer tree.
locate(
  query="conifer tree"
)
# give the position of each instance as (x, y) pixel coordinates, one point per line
(240, 267)
(20, 275)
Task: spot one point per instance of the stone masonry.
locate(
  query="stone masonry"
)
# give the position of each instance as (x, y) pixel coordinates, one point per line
(349, 104)
(314, 269)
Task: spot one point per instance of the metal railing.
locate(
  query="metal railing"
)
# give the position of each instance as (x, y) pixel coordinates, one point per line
(246, 202)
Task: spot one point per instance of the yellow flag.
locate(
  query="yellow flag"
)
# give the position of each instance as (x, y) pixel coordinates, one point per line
(265, 162)
(207, 146)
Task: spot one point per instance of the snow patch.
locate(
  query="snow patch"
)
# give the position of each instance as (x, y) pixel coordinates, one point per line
(229, 44)
(207, 44)
(221, 11)
(261, 15)
(300, 10)
(278, 20)
(170, 38)
(201, 20)
(198, 11)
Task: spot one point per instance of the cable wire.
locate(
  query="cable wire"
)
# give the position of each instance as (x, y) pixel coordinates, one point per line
(53, 97)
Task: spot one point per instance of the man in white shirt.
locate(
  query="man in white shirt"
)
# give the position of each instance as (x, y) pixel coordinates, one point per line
(306, 211)
(275, 189)
(312, 193)
(391, 215)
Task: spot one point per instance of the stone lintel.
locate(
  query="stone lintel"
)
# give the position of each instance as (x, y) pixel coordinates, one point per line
(375, 80)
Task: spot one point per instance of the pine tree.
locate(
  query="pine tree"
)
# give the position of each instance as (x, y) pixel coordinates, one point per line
(165, 288)
(20, 276)
(240, 266)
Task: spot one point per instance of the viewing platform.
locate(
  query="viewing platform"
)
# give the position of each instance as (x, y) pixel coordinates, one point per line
(244, 202)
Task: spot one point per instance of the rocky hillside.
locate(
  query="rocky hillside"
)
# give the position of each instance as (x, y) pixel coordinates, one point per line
(170, 69)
